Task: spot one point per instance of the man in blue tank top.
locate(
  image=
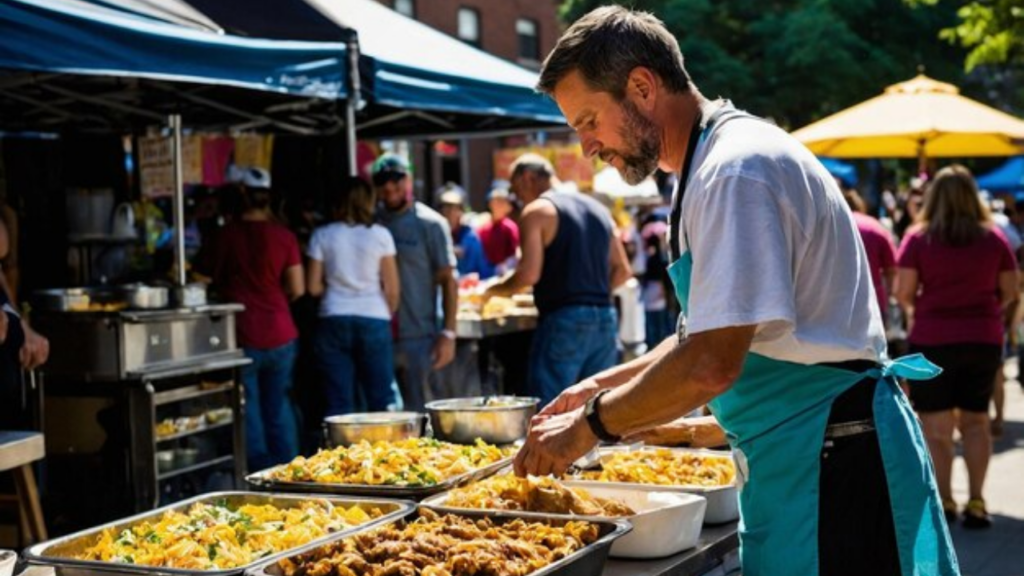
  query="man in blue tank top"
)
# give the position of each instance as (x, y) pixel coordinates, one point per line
(573, 260)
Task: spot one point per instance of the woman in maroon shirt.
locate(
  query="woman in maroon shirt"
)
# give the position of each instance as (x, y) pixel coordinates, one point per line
(256, 262)
(956, 275)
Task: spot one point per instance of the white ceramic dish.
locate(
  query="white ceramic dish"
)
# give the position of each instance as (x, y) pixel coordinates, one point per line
(7, 560)
(664, 524)
(722, 501)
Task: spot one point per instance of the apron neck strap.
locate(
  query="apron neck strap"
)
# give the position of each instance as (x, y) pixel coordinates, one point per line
(675, 216)
(701, 125)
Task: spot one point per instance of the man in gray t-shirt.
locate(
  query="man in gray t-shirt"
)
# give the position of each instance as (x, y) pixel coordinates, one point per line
(426, 263)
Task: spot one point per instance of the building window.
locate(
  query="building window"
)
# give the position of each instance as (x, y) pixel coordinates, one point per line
(529, 46)
(406, 8)
(469, 26)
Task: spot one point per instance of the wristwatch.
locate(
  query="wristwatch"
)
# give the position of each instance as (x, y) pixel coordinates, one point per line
(591, 411)
(449, 334)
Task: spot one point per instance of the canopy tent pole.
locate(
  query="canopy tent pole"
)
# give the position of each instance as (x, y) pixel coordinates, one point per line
(179, 200)
(354, 101)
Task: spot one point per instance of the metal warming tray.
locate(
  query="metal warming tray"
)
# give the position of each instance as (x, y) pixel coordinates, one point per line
(56, 553)
(262, 481)
(130, 344)
(723, 501)
(587, 561)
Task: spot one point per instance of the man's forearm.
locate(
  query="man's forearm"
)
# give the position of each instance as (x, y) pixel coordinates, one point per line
(514, 284)
(689, 376)
(619, 375)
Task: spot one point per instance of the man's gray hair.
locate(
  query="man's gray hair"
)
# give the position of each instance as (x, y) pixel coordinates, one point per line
(531, 162)
(606, 45)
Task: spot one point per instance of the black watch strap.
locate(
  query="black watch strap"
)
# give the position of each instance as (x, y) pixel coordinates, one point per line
(593, 415)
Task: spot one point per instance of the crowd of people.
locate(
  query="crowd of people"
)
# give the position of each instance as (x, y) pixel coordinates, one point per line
(955, 279)
(384, 268)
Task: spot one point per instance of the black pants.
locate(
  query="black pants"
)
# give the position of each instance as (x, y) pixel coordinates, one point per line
(856, 535)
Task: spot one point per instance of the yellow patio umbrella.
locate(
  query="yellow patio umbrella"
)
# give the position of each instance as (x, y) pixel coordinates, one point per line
(920, 118)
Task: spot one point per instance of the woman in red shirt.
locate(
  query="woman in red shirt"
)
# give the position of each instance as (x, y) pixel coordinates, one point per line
(956, 275)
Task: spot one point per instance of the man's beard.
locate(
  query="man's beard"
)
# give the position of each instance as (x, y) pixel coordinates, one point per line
(643, 141)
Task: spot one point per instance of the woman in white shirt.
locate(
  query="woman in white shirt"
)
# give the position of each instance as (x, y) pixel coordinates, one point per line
(352, 265)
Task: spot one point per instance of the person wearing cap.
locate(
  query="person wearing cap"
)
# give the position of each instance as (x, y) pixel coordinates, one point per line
(573, 260)
(780, 334)
(256, 261)
(426, 266)
(500, 236)
(468, 250)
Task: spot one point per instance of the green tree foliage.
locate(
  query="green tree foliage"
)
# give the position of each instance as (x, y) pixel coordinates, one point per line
(798, 60)
(993, 30)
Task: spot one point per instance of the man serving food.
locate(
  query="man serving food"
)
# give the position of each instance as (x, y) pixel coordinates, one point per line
(784, 342)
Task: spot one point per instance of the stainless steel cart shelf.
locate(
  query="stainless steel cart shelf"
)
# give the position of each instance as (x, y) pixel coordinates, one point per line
(195, 467)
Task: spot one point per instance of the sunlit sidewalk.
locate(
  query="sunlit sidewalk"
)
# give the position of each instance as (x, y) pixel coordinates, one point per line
(998, 551)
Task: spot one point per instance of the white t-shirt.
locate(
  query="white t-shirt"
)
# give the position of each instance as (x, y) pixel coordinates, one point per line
(774, 244)
(351, 257)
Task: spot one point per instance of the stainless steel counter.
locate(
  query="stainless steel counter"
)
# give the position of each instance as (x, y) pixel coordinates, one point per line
(475, 329)
(716, 551)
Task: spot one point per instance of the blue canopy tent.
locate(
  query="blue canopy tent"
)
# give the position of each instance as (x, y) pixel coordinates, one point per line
(430, 71)
(416, 81)
(62, 59)
(1009, 177)
(843, 170)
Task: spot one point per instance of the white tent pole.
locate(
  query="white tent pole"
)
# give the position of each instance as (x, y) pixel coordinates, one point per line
(354, 101)
(179, 199)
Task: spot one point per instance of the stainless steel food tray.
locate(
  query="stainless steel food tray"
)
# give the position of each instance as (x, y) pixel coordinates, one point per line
(58, 553)
(723, 501)
(262, 481)
(586, 561)
(659, 529)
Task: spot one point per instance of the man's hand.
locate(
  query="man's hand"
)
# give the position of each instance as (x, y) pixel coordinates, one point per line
(36, 350)
(704, 432)
(554, 443)
(571, 398)
(444, 351)
(4, 323)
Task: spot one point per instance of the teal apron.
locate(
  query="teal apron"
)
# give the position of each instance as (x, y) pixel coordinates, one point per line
(775, 416)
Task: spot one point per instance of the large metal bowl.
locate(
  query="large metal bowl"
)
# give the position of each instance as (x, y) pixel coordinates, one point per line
(493, 419)
(142, 297)
(347, 429)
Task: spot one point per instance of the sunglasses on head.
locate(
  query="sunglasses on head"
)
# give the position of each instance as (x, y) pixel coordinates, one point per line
(382, 178)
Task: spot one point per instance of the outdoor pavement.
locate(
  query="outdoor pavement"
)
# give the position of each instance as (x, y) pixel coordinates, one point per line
(998, 551)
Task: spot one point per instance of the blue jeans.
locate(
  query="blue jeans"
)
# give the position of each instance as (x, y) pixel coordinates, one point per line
(571, 343)
(272, 435)
(414, 371)
(353, 354)
(660, 325)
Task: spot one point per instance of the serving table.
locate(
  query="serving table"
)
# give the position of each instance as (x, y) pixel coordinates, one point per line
(716, 552)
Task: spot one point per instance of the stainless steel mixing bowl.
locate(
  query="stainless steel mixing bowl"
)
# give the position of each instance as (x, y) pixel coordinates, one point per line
(493, 419)
(349, 429)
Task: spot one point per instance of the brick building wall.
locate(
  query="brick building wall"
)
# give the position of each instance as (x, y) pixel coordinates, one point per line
(497, 22)
(498, 36)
